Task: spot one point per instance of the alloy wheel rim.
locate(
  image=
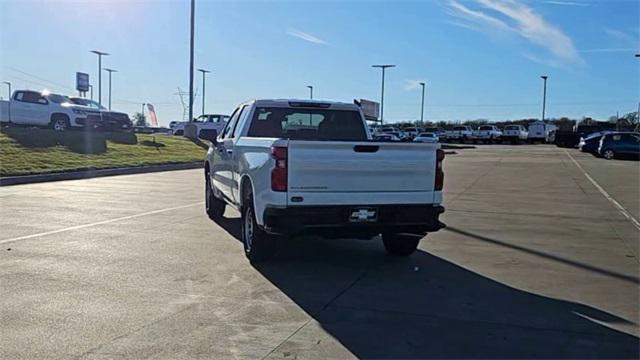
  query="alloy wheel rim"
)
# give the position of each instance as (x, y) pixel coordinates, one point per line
(59, 125)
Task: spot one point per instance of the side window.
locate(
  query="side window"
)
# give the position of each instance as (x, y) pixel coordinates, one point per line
(33, 97)
(19, 96)
(628, 138)
(231, 123)
(243, 115)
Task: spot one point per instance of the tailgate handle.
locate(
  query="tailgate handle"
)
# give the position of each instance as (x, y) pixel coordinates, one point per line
(366, 148)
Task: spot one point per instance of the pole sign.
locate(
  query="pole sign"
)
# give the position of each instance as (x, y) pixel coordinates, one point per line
(370, 109)
(82, 81)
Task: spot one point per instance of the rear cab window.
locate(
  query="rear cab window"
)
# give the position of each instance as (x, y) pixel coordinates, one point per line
(307, 124)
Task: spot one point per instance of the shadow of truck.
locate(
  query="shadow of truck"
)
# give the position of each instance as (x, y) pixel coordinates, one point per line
(378, 306)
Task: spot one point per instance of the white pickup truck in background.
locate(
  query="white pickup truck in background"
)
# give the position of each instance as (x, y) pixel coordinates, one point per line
(298, 166)
(487, 134)
(460, 133)
(34, 108)
(515, 134)
(206, 121)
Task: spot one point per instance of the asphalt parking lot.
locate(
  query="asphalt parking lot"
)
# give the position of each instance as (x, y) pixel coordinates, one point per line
(535, 262)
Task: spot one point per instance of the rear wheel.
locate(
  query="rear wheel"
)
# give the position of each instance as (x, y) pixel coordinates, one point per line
(258, 244)
(213, 205)
(399, 244)
(608, 154)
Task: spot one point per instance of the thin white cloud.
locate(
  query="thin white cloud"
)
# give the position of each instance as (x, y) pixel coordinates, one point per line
(462, 12)
(305, 36)
(607, 50)
(566, 3)
(412, 84)
(622, 37)
(512, 16)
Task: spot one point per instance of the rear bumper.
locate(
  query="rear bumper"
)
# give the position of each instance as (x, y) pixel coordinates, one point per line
(333, 221)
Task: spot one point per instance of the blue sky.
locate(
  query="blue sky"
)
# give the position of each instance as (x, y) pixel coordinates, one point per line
(480, 58)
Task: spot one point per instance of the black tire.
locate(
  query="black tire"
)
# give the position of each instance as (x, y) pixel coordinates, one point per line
(400, 245)
(59, 122)
(213, 206)
(258, 244)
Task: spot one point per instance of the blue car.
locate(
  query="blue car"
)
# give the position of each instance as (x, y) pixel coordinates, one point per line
(618, 144)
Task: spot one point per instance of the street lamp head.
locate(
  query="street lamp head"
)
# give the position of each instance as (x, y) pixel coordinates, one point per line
(383, 66)
(7, 82)
(109, 70)
(204, 71)
(544, 77)
(422, 83)
(310, 87)
(638, 55)
(99, 52)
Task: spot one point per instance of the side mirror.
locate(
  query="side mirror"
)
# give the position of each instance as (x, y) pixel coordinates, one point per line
(209, 135)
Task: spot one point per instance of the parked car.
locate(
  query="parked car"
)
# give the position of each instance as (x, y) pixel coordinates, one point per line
(440, 132)
(487, 133)
(34, 108)
(590, 143)
(539, 131)
(386, 137)
(207, 121)
(515, 134)
(109, 120)
(400, 135)
(395, 131)
(412, 132)
(298, 166)
(460, 133)
(619, 144)
(426, 137)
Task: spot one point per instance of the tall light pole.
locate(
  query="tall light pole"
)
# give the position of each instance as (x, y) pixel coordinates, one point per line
(9, 103)
(544, 95)
(204, 72)
(192, 35)
(422, 106)
(638, 113)
(310, 91)
(110, 71)
(100, 54)
(383, 67)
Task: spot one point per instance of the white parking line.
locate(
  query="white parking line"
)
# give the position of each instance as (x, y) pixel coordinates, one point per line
(622, 210)
(98, 223)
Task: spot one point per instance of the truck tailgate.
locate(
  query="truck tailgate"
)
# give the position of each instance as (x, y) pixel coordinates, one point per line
(361, 172)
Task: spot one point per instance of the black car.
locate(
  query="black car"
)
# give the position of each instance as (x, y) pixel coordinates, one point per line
(106, 119)
(618, 144)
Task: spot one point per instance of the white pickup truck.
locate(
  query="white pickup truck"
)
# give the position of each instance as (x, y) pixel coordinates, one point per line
(515, 134)
(34, 108)
(207, 121)
(299, 166)
(460, 133)
(487, 134)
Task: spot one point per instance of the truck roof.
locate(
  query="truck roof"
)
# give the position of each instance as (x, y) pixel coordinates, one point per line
(305, 103)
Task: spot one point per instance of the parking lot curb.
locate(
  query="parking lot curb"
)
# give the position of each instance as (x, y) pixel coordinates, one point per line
(85, 174)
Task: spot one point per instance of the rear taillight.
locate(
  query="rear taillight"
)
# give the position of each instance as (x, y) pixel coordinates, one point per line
(279, 172)
(439, 183)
